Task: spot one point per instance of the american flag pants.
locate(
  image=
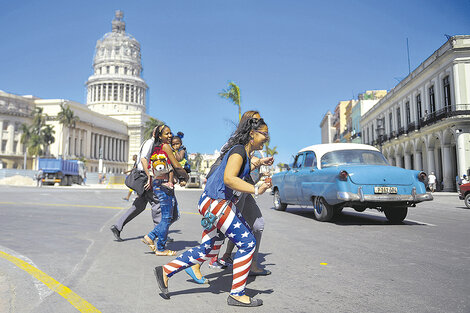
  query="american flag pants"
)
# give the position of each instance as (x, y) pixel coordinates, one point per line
(230, 224)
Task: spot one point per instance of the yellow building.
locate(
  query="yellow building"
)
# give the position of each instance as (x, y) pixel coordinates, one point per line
(340, 120)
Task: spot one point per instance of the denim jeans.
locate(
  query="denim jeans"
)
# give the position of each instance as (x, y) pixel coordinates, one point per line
(169, 209)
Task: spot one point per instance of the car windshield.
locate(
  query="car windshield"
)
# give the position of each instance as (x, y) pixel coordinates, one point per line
(355, 157)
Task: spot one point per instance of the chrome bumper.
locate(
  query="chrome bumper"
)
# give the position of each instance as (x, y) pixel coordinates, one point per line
(361, 197)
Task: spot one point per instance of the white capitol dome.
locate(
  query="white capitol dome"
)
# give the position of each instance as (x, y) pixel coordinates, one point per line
(116, 88)
(116, 85)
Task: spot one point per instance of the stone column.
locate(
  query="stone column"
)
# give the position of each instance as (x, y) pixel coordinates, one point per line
(398, 160)
(463, 152)
(408, 164)
(438, 164)
(447, 165)
(11, 138)
(1, 136)
(431, 167)
(418, 161)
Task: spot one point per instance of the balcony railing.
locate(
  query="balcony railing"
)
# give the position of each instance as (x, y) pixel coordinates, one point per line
(448, 111)
(401, 131)
(411, 127)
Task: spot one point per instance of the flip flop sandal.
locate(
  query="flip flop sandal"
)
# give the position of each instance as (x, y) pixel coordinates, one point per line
(200, 281)
(165, 253)
(235, 302)
(151, 246)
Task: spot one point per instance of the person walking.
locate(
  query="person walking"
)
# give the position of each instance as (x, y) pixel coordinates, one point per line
(218, 204)
(140, 202)
(39, 177)
(162, 162)
(432, 182)
(251, 213)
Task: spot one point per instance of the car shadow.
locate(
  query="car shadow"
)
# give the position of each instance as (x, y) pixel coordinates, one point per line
(349, 217)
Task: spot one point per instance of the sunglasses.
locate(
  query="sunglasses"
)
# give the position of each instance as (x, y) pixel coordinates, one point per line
(265, 134)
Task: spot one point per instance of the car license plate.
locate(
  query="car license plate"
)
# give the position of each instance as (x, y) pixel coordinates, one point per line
(385, 190)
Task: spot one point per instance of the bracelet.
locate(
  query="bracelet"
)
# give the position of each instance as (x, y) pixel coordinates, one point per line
(256, 190)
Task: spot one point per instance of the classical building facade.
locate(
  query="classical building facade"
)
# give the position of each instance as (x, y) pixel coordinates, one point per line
(111, 124)
(423, 123)
(14, 111)
(116, 87)
(94, 135)
(327, 130)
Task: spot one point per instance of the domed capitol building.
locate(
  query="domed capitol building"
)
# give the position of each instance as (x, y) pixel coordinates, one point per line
(111, 123)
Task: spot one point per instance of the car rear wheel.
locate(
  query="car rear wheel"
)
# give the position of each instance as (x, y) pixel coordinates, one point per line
(467, 200)
(322, 211)
(278, 205)
(396, 214)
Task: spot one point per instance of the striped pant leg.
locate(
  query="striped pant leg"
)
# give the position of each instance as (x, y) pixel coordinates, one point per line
(233, 225)
(212, 240)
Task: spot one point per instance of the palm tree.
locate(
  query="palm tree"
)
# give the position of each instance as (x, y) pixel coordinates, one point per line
(68, 119)
(269, 151)
(232, 93)
(25, 133)
(35, 143)
(47, 134)
(150, 126)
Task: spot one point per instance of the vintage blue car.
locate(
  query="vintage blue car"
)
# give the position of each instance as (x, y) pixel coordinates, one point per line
(338, 175)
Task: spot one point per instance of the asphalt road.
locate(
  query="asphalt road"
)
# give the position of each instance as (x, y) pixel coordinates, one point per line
(359, 263)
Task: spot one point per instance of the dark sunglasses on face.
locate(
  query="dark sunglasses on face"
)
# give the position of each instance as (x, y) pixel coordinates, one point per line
(265, 134)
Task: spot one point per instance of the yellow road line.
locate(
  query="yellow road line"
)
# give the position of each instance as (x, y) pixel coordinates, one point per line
(78, 205)
(78, 302)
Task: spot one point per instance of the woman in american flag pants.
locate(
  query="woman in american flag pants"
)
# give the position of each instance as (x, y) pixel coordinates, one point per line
(219, 197)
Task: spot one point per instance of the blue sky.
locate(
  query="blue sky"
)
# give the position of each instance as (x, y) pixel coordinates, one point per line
(293, 60)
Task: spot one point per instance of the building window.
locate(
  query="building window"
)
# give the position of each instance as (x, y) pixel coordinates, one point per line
(116, 69)
(390, 121)
(408, 113)
(4, 145)
(107, 69)
(398, 118)
(125, 71)
(127, 93)
(418, 106)
(432, 100)
(16, 147)
(446, 84)
(5, 125)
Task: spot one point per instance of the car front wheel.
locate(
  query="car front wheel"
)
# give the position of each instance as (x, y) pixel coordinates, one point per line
(396, 214)
(278, 205)
(322, 211)
(467, 200)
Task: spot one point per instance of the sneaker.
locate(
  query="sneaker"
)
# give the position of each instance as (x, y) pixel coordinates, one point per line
(215, 264)
(125, 199)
